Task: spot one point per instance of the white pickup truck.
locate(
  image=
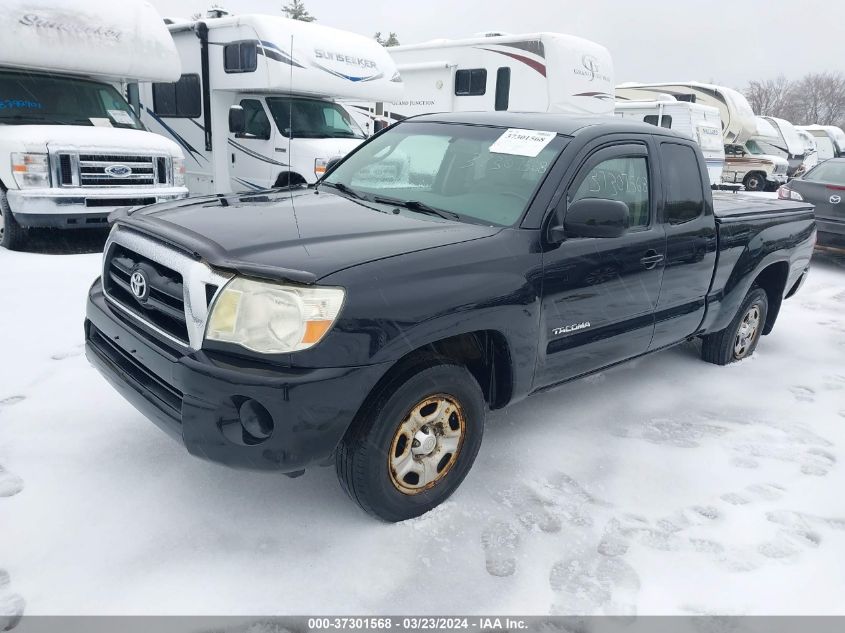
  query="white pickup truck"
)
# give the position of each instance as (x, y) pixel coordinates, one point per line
(71, 148)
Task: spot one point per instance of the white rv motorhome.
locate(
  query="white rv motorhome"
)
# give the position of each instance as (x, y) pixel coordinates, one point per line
(830, 140)
(789, 141)
(71, 148)
(755, 169)
(811, 151)
(278, 78)
(534, 72)
(699, 122)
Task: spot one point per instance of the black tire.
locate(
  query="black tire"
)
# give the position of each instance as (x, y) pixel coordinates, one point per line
(362, 460)
(755, 181)
(721, 348)
(12, 235)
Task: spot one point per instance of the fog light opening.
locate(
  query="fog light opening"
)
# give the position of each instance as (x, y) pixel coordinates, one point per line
(256, 422)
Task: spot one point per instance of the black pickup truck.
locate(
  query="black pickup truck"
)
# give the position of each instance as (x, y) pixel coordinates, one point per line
(450, 265)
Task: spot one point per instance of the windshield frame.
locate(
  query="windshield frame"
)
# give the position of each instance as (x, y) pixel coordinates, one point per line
(282, 125)
(559, 143)
(54, 118)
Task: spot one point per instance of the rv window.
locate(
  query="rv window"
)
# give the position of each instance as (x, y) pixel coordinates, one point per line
(182, 99)
(503, 88)
(240, 57)
(257, 123)
(684, 195)
(312, 118)
(665, 121)
(471, 82)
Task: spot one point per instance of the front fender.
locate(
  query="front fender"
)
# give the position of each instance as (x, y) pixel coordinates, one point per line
(400, 304)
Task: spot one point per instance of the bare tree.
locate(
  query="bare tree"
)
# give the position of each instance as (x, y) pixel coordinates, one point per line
(296, 11)
(820, 98)
(770, 97)
(392, 39)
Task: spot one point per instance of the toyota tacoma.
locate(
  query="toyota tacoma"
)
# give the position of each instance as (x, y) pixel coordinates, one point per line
(450, 265)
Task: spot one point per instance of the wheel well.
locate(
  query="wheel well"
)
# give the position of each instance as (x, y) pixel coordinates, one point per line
(289, 179)
(772, 279)
(484, 353)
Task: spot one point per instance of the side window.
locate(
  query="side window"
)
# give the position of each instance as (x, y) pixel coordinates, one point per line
(625, 179)
(684, 192)
(470, 82)
(665, 120)
(182, 99)
(240, 57)
(503, 88)
(257, 123)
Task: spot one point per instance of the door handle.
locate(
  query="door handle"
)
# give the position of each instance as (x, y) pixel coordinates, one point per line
(651, 259)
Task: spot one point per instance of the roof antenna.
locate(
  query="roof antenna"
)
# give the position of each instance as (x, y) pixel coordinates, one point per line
(290, 136)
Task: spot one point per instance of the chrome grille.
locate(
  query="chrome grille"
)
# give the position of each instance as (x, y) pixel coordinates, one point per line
(72, 169)
(180, 288)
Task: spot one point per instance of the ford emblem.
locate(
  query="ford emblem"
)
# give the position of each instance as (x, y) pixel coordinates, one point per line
(118, 171)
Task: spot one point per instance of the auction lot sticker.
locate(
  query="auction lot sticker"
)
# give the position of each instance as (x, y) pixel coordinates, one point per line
(522, 142)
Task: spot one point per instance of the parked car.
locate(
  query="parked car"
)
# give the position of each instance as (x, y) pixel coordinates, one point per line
(71, 148)
(824, 188)
(372, 321)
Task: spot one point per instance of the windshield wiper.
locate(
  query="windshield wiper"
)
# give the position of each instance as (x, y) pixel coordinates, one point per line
(419, 207)
(343, 189)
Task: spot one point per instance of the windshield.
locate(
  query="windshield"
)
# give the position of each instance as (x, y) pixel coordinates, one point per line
(312, 118)
(831, 172)
(27, 99)
(758, 147)
(451, 168)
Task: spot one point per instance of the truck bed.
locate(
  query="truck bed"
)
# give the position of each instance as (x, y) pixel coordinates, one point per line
(732, 207)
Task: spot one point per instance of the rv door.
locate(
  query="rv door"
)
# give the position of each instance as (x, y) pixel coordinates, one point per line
(253, 164)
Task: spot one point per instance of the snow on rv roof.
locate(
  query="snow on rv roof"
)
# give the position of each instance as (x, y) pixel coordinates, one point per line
(106, 39)
(306, 58)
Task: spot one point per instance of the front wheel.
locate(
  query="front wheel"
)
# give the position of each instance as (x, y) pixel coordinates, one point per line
(12, 235)
(414, 442)
(755, 182)
(740, 338)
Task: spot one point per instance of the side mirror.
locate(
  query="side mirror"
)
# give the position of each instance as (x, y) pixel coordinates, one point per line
(379, 125)
(237, 120)
(591, 217)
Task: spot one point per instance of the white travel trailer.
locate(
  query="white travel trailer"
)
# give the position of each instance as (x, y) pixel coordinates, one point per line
(811, 151)
(830, 140)
(278, 78)
(746, 164)
(699, 122)
(71, 148)
(534, 72)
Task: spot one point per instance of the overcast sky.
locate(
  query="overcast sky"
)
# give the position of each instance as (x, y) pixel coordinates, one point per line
(722, 41)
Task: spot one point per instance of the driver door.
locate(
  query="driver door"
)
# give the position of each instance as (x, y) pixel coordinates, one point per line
(600, 294)
(252, 165)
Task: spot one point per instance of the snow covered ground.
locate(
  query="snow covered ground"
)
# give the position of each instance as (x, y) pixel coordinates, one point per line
(665, 486)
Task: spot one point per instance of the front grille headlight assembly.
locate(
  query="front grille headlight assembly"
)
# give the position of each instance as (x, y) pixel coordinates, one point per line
(272, 318)
(178, 171)
(31, 171)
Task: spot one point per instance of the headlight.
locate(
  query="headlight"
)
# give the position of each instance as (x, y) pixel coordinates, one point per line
(785, 193)
(31, 170)
(273, 318)
(320, 166)
(178, 171)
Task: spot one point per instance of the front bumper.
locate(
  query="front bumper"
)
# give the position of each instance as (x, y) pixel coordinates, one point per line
(77, 207)
(194, 396)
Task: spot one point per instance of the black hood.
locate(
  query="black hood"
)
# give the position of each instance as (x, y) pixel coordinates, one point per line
(301, 236)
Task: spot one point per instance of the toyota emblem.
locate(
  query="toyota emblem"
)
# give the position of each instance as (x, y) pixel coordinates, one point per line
(138, 284)
(834, 199)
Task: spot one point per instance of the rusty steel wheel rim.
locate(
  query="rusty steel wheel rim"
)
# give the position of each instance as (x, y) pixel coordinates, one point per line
(426, 444)
(747, 332)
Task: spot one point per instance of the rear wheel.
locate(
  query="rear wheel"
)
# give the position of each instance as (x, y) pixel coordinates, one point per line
(12, 235)
(414, 443)
(740, 338)
(755, 181)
